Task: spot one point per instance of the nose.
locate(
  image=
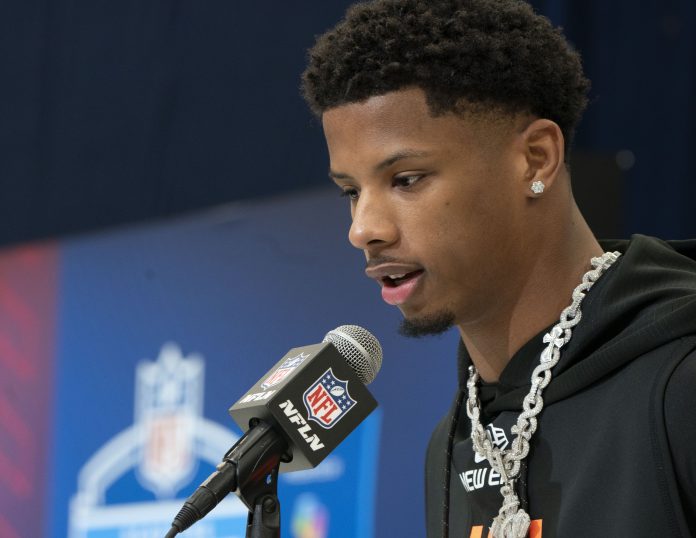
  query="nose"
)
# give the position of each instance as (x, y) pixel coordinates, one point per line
(373, 223)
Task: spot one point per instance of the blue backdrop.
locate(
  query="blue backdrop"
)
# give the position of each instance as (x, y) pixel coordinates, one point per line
(232, 291)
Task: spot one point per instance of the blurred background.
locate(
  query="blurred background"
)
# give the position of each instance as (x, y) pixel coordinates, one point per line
(164, 201)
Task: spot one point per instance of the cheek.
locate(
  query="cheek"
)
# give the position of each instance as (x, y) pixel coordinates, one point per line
(467, 235)
(468, 216)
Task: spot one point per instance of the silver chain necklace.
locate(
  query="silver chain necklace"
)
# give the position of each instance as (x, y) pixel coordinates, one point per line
(512, 521)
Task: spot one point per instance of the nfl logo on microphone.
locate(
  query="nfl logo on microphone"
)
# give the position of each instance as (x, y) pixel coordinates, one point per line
(284, 370)
(327, 400)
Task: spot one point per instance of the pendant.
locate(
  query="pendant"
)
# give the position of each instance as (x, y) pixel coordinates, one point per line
(511, 525)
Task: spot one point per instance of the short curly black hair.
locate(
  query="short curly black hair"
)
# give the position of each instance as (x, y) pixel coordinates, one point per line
(498, 54)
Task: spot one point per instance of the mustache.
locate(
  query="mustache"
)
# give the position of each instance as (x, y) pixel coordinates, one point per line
(382, 259)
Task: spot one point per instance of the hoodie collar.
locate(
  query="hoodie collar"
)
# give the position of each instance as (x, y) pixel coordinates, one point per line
(646, 299)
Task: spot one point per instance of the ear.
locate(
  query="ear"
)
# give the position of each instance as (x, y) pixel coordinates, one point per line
(543, 146)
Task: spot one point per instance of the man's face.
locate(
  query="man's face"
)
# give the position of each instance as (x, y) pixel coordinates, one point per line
(436, 205)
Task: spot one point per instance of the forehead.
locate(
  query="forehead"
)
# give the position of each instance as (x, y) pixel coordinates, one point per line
(404, 113)
(387, 123)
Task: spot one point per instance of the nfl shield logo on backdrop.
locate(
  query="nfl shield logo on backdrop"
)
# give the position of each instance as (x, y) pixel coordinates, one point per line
(169, 403)
(327, 400)
(162, 450)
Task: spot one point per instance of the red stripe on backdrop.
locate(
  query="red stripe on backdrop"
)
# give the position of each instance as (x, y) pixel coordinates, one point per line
(28, 280)
(6, 529)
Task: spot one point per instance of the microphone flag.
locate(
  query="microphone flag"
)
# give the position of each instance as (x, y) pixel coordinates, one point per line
(313, 397)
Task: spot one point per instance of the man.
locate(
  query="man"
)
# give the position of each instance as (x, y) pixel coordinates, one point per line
(449, 125)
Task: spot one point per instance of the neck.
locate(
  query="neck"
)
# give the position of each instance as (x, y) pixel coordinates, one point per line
(541, 289)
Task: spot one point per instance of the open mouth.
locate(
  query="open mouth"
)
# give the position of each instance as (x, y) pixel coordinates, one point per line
(393, 281)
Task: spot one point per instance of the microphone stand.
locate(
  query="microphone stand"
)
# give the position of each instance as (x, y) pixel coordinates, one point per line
(264, 520)
(250, 469)
(257, 464)
(257, 484)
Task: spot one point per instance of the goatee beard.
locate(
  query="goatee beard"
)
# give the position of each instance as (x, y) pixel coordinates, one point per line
(427, 325)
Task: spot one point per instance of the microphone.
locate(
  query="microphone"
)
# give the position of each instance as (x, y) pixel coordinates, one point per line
(293, 417)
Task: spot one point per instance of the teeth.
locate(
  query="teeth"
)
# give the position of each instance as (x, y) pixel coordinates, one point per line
(395, 277)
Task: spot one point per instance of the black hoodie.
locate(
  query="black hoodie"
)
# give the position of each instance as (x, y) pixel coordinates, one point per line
(615, 449)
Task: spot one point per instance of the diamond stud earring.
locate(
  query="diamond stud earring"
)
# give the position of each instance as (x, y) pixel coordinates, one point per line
(537, 187)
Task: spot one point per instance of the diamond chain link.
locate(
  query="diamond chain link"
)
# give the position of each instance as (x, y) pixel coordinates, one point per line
(512, 521)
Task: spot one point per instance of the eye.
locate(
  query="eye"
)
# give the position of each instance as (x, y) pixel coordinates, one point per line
(408, 180)
(349, 193)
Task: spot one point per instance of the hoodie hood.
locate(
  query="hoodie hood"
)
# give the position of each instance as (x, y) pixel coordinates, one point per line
(646, 299)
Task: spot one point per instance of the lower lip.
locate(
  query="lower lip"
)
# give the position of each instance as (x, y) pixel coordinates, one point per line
(398, 295)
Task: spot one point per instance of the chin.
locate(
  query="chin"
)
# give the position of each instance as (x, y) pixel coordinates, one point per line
(428, 325)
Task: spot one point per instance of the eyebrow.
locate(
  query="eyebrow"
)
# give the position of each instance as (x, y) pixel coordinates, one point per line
(393, 158)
